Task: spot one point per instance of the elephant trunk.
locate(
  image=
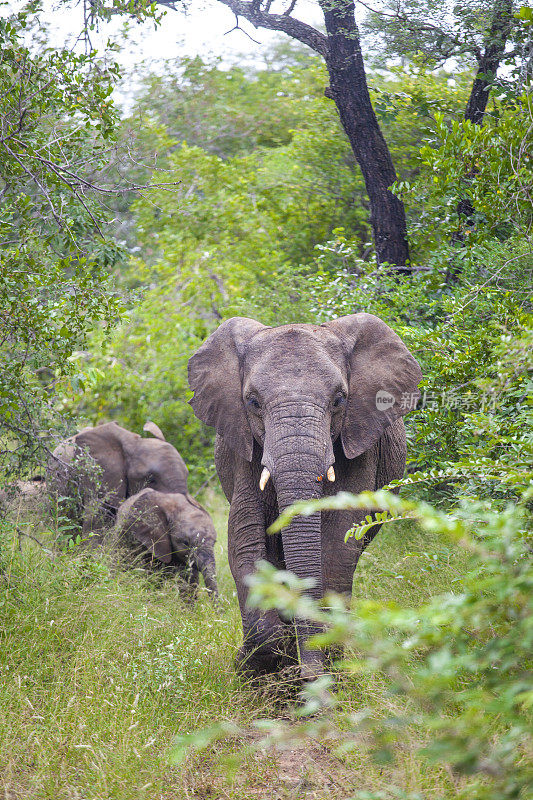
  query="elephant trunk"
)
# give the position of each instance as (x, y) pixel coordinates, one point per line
(205, 561)
(298, 453)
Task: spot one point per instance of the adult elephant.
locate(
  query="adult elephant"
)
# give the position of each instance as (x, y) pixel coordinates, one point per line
(300, 411)
(98, 468)
(172, 531)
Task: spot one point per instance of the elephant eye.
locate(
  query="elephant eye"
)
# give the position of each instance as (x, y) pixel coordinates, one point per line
(339, 400)
(253, 402)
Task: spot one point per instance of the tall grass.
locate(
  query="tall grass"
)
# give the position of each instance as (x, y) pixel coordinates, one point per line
(101, 666)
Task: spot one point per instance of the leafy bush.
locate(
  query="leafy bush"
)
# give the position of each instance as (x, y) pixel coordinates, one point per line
(57, 122)
(461, 661)
(489, 167)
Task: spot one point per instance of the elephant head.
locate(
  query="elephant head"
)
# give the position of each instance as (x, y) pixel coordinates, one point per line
(294, 390)
(174, 530)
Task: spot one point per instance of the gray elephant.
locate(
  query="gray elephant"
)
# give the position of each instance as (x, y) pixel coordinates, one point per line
(98, 468)
(300, 411)
(171, 531)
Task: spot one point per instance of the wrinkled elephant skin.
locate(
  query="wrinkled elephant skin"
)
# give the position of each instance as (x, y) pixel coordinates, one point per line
(300, 411)
(171, 530)
(98, 468)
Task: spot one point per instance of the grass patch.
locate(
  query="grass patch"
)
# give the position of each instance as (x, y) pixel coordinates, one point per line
(100, 667)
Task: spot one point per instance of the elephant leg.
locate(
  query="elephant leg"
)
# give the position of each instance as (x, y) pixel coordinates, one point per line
(264, 633)
(340, 557)
(366, 472)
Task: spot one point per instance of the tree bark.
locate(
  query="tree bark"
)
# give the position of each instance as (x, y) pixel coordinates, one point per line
(488, 65)
(341, 51)
(349, 89)
(489, 61)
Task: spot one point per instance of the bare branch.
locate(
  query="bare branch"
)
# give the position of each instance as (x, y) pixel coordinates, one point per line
(290, 9)
(79, 196)
(237, 27)
(284, 23)
(36, 180)
(414, 25)
(57, 168)
(396, 15)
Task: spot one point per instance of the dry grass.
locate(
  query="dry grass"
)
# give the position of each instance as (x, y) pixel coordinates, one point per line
(100, 667)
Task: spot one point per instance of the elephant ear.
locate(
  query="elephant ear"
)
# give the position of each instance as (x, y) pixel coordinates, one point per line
(383, 379)
(155, 430)
(215, 378)
(104, 445)
(148, 523)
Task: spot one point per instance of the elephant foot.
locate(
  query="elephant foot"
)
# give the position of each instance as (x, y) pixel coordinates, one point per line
(273, 676)
(266, 651)
(270, 647)
(265, 659)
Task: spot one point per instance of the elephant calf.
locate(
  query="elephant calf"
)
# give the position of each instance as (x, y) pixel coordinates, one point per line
(174, 531)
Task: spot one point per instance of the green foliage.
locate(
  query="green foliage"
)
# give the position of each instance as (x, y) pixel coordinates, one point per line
(229, 111)
(142, 375)
(247, 213)
(57, 123)
(435, 32)
(462, 660)
(488, 166)
(406, 101)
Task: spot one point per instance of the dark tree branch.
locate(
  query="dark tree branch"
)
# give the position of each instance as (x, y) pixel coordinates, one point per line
(349, 89)
(284, 23)
(489, 61)
(290, 9)
(449, 44)
(237, 27)
(488, 65)
(41, 186)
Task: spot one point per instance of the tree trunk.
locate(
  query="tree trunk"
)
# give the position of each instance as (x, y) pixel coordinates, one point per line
(349, 89)
(488, 64)
(489, 61)
(341, 51)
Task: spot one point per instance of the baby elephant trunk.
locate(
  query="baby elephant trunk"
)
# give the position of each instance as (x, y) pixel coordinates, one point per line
(205, 561)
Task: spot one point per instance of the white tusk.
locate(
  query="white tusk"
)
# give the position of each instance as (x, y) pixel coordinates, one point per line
(265, 475)
(331, 474)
